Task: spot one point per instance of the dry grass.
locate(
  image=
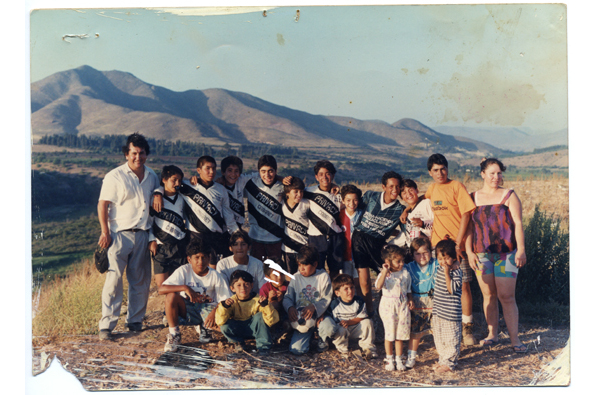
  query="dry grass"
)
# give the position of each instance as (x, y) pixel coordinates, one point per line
(70, 305)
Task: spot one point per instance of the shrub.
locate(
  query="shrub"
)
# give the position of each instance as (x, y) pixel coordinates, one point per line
(71, 305)
(545, 277)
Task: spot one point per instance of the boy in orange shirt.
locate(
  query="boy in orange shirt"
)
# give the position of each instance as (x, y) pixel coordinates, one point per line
(452, 207)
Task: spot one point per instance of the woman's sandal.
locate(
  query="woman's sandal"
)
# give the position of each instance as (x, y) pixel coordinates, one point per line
(522, 349)
(488, 342)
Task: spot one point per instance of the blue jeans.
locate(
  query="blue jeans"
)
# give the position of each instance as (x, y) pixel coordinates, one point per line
(253, 328)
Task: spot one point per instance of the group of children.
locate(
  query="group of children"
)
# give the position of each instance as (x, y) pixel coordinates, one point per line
(272, 279)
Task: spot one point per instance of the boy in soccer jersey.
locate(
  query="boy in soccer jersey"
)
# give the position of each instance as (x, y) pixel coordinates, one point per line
(324, 229)
(380, 218)
(452, 207)
(168, 235)
(265, 195)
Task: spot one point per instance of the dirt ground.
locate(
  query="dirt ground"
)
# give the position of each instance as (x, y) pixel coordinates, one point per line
(137, 361)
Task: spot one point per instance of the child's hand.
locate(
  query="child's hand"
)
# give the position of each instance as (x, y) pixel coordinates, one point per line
(272, 295)
(344, 324)
(418, 222)
(335, 189)
(411, 304)
(229, 302)
(473, 260)
(386, 267)
(157, 203)
(287, 180)
(152, 246)
(193, 296)
(293, 314)
(194, 180)
(308, 312)
(280, 296)
(261, 298)
(404, 216)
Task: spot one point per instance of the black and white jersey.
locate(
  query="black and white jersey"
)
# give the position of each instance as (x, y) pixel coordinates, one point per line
(169, 225)
(324, 213)
(296, 226)
(207, 208)
(264, 210)
(236, 198)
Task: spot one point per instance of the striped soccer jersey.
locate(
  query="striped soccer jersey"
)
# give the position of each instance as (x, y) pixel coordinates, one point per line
(236, 198)
(324, 213)
(264, 210)
(169, 225)
(296, 226)
(379, 220)
(207, 208)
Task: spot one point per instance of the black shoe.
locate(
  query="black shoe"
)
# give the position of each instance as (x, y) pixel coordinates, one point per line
(135, 327)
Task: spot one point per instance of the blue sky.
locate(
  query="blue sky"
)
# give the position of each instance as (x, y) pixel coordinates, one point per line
(502, 65)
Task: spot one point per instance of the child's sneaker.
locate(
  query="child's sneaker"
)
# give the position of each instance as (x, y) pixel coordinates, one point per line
(322, 345)
(399, 364)
(172, 342)
(389, 363)
(204, 334)
(410, 362)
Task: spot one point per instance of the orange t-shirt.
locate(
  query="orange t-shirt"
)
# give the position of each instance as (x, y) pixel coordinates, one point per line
(449, 202)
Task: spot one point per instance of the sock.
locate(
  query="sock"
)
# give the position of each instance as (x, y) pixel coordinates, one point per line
(412, 354)
(467, 319)
(174, 330)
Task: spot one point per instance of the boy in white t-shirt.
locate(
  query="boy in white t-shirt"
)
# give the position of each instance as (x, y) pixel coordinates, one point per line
(193, 292)
(239, 244)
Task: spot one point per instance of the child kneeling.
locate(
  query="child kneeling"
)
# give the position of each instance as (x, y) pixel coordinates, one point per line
(347, 319)
(246, 315)
(193, 304)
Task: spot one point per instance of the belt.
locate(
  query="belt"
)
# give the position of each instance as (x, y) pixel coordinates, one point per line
(134, 230)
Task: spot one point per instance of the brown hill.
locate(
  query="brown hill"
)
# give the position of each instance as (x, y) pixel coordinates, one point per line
(91, 102)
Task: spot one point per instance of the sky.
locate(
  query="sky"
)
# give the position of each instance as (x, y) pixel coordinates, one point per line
(452, 65)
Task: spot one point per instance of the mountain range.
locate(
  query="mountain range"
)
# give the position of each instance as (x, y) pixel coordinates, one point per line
(89, 102)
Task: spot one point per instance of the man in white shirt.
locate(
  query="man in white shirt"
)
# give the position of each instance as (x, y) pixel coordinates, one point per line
(123, 212)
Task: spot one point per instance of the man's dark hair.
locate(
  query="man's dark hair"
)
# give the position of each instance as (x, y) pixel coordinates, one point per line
(244, 275)
(267, 160)
(436, 159)
(198, 246)
(239, 234)
(408, 183)
(138, 141)
(324, 164)
(308, 255)
(168, 172)
(351, 189)
(231, 161)
(390, 174)
(341, 280)
(205, 159)
(295, 183)
(446, 247)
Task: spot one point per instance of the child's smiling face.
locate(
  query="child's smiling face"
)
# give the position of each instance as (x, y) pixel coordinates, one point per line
(351, 201)
(294, 196)
(267, 175)
(396, 263)
(232, 174)
(346, 292)
(242, 289)
(445, 260)
(277, 277)
(410, 196)
(325, 178)
(391, 190)
(422, 255)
